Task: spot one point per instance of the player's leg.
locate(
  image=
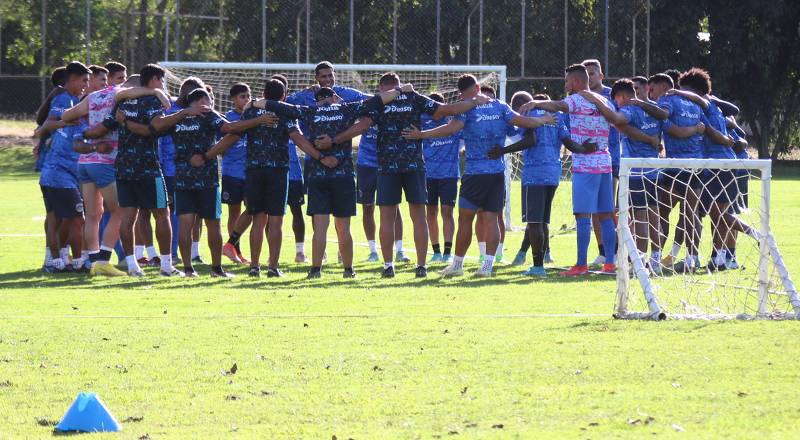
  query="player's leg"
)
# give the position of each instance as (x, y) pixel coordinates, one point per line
(257, 230)
(431, 214)
(318, 241)
(690, 209)
(110, 236)
(143, 237)
(211, 211)
(389, 191)
(414, 185)
(598, 236)
(605, 206)
(536, 201)
(585, 194)
(296, 199)
(343, 207)
(345, 244)
(448, 192)
(492, 236)
(366, 182)
(153, 196)
(501, 225)
(233, 194)
(480, 236)
(197, 232)
(185, 238)
(93, 210)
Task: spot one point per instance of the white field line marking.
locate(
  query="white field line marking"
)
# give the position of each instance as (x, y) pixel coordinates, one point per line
(330, 316)
(21, 235)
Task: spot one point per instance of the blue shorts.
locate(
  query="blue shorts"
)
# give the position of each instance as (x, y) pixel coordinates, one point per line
(642, 192)
(679, 182)
(297, 192)
(537, 201)
(204, 202)
(232, 190)
(392, 185)
(742, 199)
(367, 181)
(444, 190)
(592, 193)
(100, 174)
(482, 191)
(332, 195)
(65, 203)
(719, 186)
(148, 193)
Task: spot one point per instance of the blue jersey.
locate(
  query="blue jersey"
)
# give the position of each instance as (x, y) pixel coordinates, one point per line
(295, 171)
(682, 113)
(268, 145)
(368, 148)
(60, 103)
(60, 169)
(717, 120)
(234, 159)
(485, 127)
(137, 156)
(613, 133)
(639, 119)
(166, 146)
(542, 161)
(736, 138)
(196, 135)
(441, 154)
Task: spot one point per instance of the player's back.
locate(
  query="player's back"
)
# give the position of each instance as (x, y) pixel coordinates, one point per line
(682, 113)
(485, 127)
(234, 158)
(441, 154)
(639, 119)
(268, 145)
(196, 135)
(716, 119)
(137, 156)
(368, 148)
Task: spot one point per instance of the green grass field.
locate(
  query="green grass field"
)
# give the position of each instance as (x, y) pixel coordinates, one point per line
(369, 358)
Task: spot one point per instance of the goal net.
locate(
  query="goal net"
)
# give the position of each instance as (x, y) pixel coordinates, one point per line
(719, 258)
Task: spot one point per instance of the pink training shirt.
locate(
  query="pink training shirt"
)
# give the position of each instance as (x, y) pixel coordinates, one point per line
(101, 104)
(586, 122)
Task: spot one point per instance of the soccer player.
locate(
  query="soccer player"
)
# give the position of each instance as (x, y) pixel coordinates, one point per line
(442, 174)
(742, 177)
(483, 182)
(117, 73)
(641, 88)
(401, 167)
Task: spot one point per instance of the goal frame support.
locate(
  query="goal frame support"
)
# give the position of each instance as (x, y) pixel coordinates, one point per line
(768, 249)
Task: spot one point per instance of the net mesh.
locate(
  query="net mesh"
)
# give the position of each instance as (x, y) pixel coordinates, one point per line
(713, 245)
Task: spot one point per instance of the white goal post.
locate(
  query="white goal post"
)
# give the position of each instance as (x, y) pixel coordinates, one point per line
(757, 286)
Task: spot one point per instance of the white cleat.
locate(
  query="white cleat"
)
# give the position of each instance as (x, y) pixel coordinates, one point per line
(450, 271)
(599, 261)
(481, 274)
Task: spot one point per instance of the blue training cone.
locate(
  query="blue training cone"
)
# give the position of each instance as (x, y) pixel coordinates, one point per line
(88, 414)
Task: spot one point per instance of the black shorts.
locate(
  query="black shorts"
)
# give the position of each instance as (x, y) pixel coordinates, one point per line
(445, 190)
(642, 192)
(718, 186)
(232, 190)
(332, 195)
(367, 180)
(148, 193)
(170, 182)
(537, 201)
(483, 191)
(63, 202)
(203, 202)
(296, 195)
(392, 185)
(679, 182)
(266, 190)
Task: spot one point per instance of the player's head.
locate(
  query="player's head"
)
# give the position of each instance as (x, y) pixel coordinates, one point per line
(675, 74)
(324, 74)
(274, 90)
(77, 78)
(640, 85)
(468, 86)
(488, 91)
(117, 73)
(541, 97)
(576, 78)
(198, 97)
(282, 79)
(518, 99)
(210, 91)
(438, 97)
(59, 76)
(152, 75)
(326, 95)
(188, 84)
(658, 84)
(99, 78)
(240, 95)
(132, 81)
(595, 72)
(696, 80)
(388, 81)
(622, 91)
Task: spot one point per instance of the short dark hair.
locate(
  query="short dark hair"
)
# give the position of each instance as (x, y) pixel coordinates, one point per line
(324, 93)
(149, 72)
(661, 78)
(114, 67)
(238, 89)
(541, 97)
(97, 70)
(77, 68)
(281, 78)
(592, 62)
(520, 98)
(59, 76)
(274, 90)
(640, 80)
(466, 81)
(623, 85)
(188, 85)
(196, 95)
(322, 65)
(696, 79)
(437, 97)
(487, 89)
(389, 79)
(675, 74)
(577, 69)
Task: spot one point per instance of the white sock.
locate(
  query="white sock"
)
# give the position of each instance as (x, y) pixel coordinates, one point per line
(388, 265)
(719, 260)
(488, 262)
(166, 263)
(373, 248)
(689, 260)
(138, 252)
(132, 263)
(300, 247)
(195, 249)
(151, 251)
(655, 258)
(482, 248)
(48, 256)
(64, 254)
(85, 254)
(458, 262)
(398, 245)
(499, 250)
(676, 248)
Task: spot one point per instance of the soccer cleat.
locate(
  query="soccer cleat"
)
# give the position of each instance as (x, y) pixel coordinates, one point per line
(175, 260)
(229, 251)
(221, 274)
(421, 272)
(173, 272)
(498, 259)
(599, 261)
(105, 269)
(732, 264)
(300, 257)
(714, 267)
(135, 273)
(480, 273)
(198, 260)
(548, 259)
(241, 257)
(575, 271)
(436, 258)
(348, 273)
(668, 261)
(609, 268)
(191, 274)
(56, 266)
(388, 272)
(274, 272)
(401, 257)
(144, 262)
(314, 274)
(373, 257)
(446, 258)
(655, 268)
(519, 260)
(535, 271)
(450, 271)
(682, 267)
(254, 272)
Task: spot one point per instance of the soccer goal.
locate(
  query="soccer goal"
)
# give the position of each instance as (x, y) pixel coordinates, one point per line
(732, 267)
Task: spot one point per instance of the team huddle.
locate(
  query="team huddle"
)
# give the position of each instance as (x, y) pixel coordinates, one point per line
(115, 151)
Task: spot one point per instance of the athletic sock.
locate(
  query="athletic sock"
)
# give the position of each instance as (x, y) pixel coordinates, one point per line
(188, 268)
(499, 250)
(151, 251)
(93, 256)
(195, 249)
(676, 248)
(458, 262)
(138, 251)
(448, 247)
(436, 248)
(719, 258)
(104, 255)
(47, 254)
(132, 263)
(216, 269)
(584, 232)
(315, 269)
(609, 239)
(299, 247)
(488, 262)
(482, 248)
(731, 253)
(64, 255)
(166, 263)
(388, 265)
(238, 249)
(398, 245)
(601, 246)
(373, 247)
(234, 238)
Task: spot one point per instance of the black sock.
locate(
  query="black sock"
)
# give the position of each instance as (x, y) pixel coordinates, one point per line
(217, 269)
(731, 253)
(602, 249)
(93, 257)
(348, 269)
(436, 248)
(236, 246)
(102, 256)
(234, 238)
(448, 246)
(188, 269)
(315, 269)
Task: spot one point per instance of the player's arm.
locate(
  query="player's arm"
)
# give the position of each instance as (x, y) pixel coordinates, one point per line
(162, 123)
(526, 142)
(686, 132)
(388, 96)
(550, 106)
(611, 115)
(726, 107)
(360, 127)
(651, 109)
(44, 109)
(740, 144)
(308, 148)
(76, 112)
(531, 121)
(50, 125)
(586, 147)
(459, 107)
(717, 137)
(138, 92)
(242, 125)
(222, 145)
(640, 136)
(285, 109)
(694, 97)
(446, 130)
